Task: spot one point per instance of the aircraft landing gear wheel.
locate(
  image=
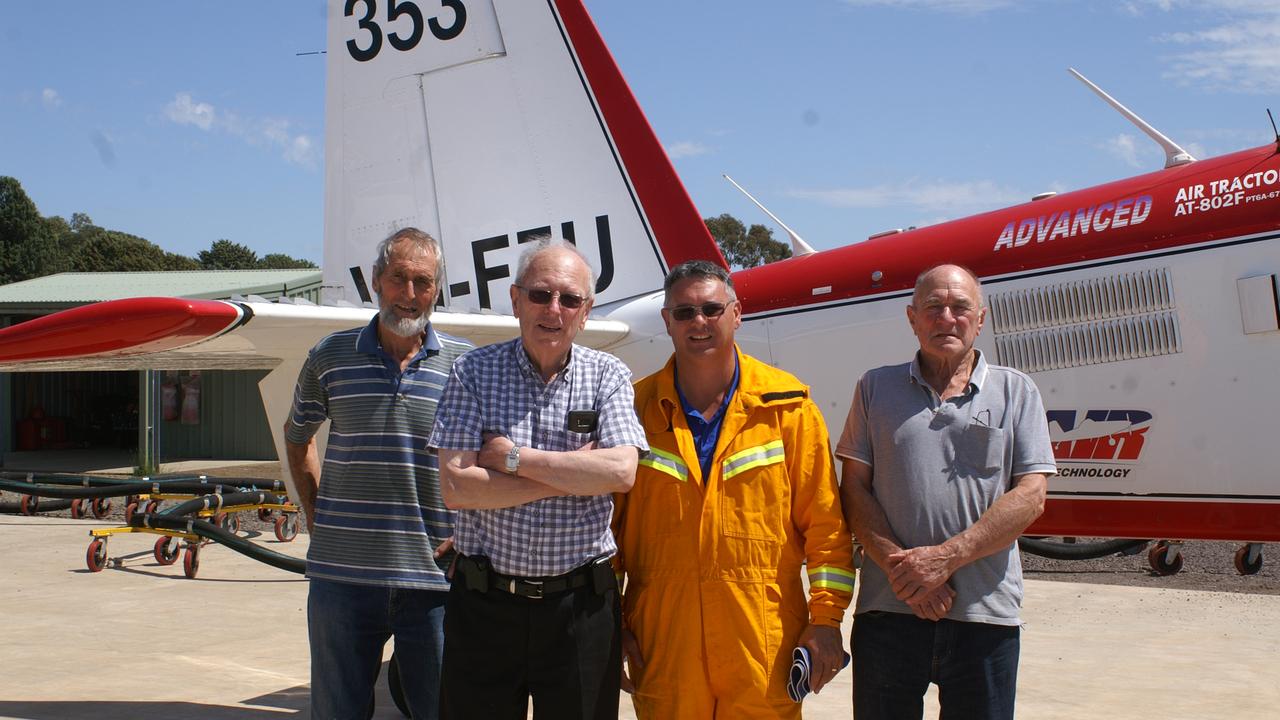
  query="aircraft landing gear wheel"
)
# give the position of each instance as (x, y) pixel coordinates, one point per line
(166, 551)
(396, 687)
(264, 514)
(30, 505)
(77, 509)
(100, 507)
(96, 557)
(1158, 557)
(287, 527)
(1245, 565)
(191, 561)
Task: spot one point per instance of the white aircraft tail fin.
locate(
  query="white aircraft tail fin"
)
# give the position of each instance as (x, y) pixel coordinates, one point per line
(486, 123)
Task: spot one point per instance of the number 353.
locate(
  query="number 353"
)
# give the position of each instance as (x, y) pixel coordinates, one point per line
(369, 24)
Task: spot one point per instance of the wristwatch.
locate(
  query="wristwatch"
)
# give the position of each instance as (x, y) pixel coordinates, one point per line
(513, 459)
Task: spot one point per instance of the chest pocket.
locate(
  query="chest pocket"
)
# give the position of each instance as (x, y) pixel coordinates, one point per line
(753, 501)
(665, 493)
(982, 448)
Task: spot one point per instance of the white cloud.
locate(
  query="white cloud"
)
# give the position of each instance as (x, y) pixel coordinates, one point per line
(50, 98)
(1124, 146)
(1242, 55)
(686, 149)
(274, 133)
(184, 111)
(933, 197)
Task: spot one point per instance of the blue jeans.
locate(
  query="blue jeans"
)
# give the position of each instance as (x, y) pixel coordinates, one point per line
(348, 627)
(896, 656)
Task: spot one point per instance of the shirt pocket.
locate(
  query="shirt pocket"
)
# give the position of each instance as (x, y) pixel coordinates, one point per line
(662, 492)
(754, 501)
(982, 448)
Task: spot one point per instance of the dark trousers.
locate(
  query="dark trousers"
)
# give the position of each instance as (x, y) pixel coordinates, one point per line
(564, 650)
(896, 656)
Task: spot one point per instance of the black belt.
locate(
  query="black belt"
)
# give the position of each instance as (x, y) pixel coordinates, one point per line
(476, 574)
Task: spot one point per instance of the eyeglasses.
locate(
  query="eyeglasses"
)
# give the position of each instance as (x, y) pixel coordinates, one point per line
(685, 313)
(568, 301)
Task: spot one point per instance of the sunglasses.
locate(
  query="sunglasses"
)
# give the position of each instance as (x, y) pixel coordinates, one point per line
(568, 301)
(685, 313)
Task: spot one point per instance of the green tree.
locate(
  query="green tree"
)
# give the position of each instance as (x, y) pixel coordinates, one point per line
(280, 261)
(174, 261)
(743, 247)
(113, 251)
(227, 255)
(26, 246)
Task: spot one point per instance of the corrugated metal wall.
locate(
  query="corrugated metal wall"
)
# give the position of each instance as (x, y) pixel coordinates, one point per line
(232, 420)
(91, 407)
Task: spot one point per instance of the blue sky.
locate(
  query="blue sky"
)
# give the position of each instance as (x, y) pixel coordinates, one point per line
(189, 122)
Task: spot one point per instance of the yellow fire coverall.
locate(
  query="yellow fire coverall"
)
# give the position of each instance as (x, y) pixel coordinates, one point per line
(713, 588)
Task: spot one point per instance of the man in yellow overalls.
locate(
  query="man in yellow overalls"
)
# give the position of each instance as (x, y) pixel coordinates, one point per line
(738, 489)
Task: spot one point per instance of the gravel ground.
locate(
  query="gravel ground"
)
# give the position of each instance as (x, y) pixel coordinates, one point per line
(1206, 565)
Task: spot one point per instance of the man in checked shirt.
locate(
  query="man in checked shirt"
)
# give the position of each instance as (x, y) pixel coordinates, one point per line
(533, 436)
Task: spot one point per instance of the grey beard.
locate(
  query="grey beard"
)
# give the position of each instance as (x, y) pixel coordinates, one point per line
(404, 327)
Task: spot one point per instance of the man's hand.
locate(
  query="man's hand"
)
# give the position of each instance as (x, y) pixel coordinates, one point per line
(444, 547)
(826, 654)
(493, 454)
(632, 660)
(934, 605)
(918, 571)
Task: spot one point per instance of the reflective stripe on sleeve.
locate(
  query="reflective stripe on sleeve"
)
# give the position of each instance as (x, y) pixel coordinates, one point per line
(753, 457)
(831, 578)
(665, 462)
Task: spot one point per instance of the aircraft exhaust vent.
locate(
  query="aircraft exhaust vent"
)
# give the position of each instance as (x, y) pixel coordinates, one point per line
(1086, 322)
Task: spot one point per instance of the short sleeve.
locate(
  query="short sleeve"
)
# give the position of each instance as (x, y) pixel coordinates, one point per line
(855, 439)
(1032, 448)
(618, 424)
(458, 424)
(310, 404)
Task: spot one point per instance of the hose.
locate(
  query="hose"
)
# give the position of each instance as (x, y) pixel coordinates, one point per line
(209, 531)
(1079, 551)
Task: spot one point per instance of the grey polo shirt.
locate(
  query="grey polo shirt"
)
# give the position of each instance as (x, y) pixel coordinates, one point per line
(937, 466)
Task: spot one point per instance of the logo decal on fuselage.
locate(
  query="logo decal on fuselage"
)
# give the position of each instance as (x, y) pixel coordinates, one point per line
(1097, 443)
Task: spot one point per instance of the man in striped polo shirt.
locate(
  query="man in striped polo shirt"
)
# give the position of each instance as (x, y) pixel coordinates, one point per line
(737, 491)
(534, 436)
(380, 533)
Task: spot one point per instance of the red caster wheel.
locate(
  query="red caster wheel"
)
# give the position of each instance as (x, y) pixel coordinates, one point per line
(96, 558)
(166, 551)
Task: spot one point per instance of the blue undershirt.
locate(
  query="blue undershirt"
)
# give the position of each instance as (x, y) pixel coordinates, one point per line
(706, 433)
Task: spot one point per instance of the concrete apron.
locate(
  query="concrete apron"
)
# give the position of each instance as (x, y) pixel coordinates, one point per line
(143, 641)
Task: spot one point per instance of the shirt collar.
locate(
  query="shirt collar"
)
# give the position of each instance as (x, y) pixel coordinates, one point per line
(690, 410)
(526, 365)
(977, 376)
(369, 343)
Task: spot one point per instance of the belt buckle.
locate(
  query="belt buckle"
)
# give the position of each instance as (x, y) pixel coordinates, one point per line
(535, 588)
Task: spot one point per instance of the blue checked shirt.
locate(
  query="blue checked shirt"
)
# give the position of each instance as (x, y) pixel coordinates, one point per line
(497, 389)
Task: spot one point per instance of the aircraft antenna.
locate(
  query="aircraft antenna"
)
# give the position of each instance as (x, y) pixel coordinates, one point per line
(1173, 154)
(1273, 126)
(798, 245)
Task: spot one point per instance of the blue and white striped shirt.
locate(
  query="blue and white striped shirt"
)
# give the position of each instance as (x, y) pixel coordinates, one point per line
(379, 514)
(497, 389)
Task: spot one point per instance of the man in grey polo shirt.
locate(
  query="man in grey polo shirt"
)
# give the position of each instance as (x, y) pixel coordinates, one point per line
(945, 463)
